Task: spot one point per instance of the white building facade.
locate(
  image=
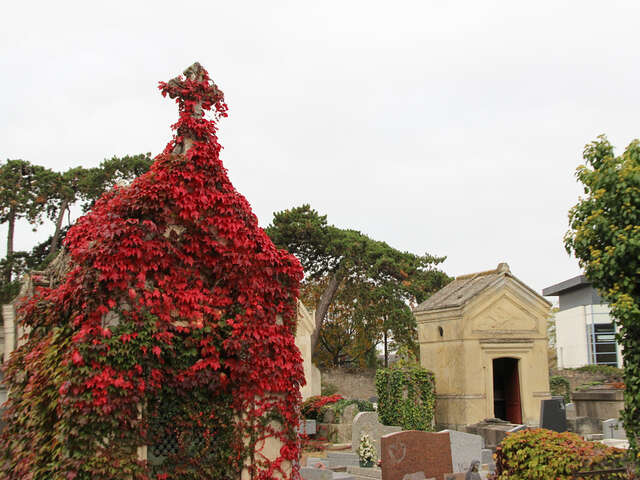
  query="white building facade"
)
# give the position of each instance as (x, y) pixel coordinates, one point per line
(585, 330)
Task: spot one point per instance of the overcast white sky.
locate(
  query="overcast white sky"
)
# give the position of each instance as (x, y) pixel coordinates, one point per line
(452, 128)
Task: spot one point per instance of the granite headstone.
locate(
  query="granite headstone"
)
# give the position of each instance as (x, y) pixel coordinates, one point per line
(553, 416)
(413, 452)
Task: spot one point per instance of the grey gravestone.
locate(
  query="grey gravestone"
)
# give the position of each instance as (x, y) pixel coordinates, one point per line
(465, 448)
(310, 473)
(349, 413)
(486, 458)
(367, 422)
(307, 427)
(612, 428)
(570, 408)
(553, 416)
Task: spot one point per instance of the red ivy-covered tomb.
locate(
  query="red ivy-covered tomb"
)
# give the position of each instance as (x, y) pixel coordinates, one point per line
(166, 330)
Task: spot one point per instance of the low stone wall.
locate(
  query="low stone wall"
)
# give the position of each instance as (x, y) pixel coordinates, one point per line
(352, 384)
(578, 378)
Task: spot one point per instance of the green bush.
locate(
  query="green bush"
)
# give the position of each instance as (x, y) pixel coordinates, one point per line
(406, 397)
(560, 386)
(606, 370)
(364, 405)
(588, 385)
(539, 454)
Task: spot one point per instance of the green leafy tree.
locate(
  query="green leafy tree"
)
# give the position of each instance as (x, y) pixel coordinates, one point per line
(343, 339)
(111, 172)
(30, 192)
(88, 184)
(24, 190)
(336, 256)
(605, 237)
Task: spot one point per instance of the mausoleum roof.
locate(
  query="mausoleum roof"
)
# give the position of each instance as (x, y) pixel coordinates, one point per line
(466, 287)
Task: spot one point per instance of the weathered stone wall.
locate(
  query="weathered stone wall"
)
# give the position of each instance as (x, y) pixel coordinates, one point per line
(577, 378)
(352, 384)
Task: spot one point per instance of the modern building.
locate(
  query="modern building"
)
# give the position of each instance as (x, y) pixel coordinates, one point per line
(585, 331)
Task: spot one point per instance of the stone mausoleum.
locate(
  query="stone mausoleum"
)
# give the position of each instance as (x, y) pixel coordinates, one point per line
(484, 337)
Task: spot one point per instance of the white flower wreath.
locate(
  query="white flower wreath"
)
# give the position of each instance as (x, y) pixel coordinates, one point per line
(366, 450)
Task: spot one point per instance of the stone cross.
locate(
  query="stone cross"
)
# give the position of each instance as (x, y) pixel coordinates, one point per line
(195, 93)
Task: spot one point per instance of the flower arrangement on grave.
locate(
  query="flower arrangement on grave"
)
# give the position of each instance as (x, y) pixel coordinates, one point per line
(366, 451)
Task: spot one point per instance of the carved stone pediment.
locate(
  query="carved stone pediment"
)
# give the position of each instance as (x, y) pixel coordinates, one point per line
(504, 314)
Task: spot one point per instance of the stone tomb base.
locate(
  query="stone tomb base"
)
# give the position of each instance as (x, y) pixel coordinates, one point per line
(492, 430)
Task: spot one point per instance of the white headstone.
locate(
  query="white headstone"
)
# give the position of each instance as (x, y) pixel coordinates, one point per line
(612, 428)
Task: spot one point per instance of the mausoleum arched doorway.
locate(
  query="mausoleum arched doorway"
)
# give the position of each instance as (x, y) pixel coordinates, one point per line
(506, 389)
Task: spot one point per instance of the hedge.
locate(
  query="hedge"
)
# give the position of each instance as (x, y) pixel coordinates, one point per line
(543, 454)
(406, 397)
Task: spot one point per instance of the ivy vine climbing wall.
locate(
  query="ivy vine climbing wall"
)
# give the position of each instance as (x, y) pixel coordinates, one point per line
(174, 316)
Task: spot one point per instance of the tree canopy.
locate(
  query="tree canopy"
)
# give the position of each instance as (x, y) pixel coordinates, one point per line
(605, 237)
(32, 193)
(24, 190)
(355, 277)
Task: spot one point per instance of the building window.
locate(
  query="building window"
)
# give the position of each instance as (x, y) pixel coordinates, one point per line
(602, 344)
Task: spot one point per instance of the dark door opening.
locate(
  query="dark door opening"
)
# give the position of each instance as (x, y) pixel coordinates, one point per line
(506, 390)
